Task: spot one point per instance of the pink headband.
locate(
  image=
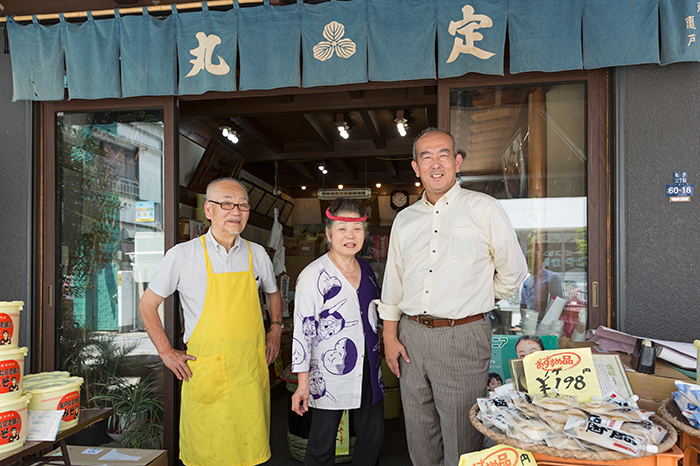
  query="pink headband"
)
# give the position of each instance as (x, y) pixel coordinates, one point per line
(344, 219)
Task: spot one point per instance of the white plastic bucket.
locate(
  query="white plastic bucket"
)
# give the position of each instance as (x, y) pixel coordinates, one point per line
(11, 372)
(59, 394)
(9, 323)
(13, 419)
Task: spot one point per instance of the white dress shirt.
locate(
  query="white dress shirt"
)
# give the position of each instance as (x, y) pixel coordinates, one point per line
(450, 260)
(184, 269)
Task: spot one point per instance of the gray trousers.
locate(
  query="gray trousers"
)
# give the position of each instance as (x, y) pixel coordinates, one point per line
(447, 373)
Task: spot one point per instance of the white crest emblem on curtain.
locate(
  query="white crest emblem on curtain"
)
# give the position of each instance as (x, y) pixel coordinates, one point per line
(334, 43)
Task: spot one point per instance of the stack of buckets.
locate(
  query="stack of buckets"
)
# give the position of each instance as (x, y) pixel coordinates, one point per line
(46, 391)
(13, 402)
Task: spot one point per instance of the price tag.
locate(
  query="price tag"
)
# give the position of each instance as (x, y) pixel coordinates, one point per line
(563, 371)
(498, 455)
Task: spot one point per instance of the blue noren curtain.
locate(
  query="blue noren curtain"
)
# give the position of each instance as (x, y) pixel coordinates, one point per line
(471, 37)
(206, 50)
(401, 40)
(149, 55)
(620, 33)
(269, 39)
(679, 39)
(93, 46)
(334, 43)
(544, 35)
(36, 53)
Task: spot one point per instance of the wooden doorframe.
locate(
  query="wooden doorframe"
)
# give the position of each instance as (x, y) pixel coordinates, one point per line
(44, 349)
(599, 214)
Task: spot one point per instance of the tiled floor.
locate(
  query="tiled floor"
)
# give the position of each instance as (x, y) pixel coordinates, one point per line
(394, 451)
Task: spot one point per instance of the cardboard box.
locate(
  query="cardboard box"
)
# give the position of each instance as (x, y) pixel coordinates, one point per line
(99, 456)
(652, 389)
(291, 246)
(311, 248)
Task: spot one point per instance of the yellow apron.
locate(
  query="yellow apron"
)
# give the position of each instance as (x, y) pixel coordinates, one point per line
(225, 416)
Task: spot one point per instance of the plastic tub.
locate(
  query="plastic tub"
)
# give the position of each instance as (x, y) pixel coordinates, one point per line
(11, 372)
(9, 323)
(41, 377)
(13, 418)
(60, 394)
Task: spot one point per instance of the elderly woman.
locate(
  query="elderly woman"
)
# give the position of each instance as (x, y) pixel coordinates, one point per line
(336, 346)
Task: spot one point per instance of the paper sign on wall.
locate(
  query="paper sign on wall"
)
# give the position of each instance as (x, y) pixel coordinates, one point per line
(498, 455)
(145, 211)
(564, 371)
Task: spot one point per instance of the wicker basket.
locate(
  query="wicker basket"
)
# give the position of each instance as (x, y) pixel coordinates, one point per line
(669, 410)
(668, 443)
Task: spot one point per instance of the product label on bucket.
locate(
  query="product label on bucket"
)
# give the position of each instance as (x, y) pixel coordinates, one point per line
(6, 329)
(70, 404)
(10, 376)
(10, 427)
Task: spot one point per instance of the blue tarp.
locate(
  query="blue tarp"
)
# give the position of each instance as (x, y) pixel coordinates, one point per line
(342, 42)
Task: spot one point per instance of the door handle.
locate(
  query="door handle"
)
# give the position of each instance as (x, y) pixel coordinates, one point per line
(594, 294)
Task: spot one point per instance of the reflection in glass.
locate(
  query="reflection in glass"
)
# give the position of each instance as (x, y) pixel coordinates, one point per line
(110, 236)
(526, 146)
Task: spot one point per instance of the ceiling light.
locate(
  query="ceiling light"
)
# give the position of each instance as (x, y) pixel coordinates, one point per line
(342, 126)
(401, 123)
(233, 137)
(417, 184)
(378, 185)
(303, 188)
(225, 130)
(340, 186)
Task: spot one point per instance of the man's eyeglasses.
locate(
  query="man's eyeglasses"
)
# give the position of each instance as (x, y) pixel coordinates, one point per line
(232, 205)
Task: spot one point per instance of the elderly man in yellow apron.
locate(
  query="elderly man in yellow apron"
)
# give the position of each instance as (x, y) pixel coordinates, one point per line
(225, 415)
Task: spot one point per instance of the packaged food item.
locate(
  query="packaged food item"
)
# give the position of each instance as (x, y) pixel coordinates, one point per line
(555, 403)
(493, 405)
(495, 421)
(606, 422)
(652, 432)
(614, 397)
(606, 437)
(522, 401)
(629, 414)
(690, 390)
(532, 427)
(689, 410)
(598, 406)
(556, 419)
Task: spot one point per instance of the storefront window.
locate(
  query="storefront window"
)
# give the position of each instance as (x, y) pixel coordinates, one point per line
(110, 241)
(526, 146)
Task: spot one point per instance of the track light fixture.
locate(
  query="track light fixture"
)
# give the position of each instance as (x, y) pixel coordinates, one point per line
(229, 134)
(401, 123)
(322, 168)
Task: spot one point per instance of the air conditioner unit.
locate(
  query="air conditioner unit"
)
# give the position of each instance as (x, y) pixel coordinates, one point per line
(357, 193)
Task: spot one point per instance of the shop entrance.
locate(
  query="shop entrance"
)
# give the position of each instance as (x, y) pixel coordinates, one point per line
(128, 178)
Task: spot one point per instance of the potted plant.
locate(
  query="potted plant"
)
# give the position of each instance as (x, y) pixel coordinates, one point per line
(137, 410)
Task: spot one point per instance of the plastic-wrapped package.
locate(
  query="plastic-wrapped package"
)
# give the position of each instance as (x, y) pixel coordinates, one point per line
(555, 403)
(652, 432)
(564, 442)
(531, 426)
(611, 439)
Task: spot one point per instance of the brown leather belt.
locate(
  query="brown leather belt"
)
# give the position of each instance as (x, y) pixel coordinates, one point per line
(432, 322)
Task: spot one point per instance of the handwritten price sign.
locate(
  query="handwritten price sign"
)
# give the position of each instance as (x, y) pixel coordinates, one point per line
(498, 455)
(564, 371)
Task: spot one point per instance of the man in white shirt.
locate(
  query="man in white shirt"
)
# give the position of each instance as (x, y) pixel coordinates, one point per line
(450, 256)
(226, 389)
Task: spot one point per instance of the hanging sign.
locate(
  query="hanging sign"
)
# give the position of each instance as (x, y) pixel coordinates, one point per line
(564, 371)
(680, 190)
(498, 455)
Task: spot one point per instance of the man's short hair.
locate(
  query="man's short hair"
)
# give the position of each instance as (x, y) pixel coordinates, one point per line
(432, 130)
(219, 180)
